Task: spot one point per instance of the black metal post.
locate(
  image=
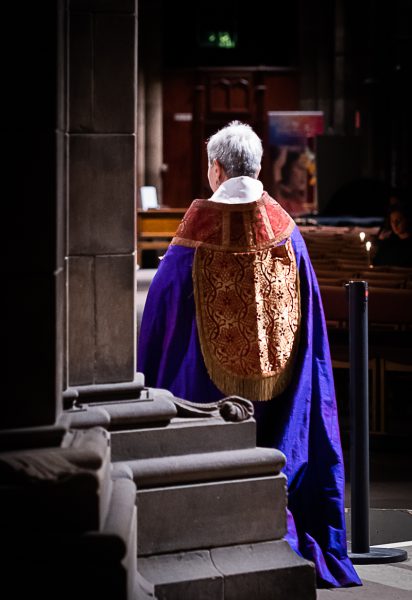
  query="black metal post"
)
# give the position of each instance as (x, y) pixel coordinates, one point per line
(359, 432)
(359, 410)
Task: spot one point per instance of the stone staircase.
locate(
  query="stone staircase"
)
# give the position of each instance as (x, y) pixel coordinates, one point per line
(211, 506)
(211, 517)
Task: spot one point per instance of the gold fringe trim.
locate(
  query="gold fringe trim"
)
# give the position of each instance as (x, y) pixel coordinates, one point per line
(262, 389)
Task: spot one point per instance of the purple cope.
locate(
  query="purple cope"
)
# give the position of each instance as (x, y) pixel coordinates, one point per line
(302, 422)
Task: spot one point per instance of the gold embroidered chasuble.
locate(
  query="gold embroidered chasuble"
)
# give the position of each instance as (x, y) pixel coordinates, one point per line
(246, 289)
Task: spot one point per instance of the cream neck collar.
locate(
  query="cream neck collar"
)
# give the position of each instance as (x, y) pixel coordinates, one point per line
(238, 190)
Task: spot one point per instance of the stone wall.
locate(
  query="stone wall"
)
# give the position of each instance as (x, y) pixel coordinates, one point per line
(100, 144)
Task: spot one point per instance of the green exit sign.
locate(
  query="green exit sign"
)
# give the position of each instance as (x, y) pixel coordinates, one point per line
(218, 39)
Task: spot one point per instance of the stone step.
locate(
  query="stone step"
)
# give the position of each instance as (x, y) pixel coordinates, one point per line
(99, 562)
(183, 436)
(263, 571)
(211, 514)
(206, 466)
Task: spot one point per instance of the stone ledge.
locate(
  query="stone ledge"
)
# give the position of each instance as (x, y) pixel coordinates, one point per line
(88, 393)
(150, 407)
(207, 466)
(183, 436)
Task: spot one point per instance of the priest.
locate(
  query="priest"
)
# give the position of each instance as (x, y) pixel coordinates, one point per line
(235, 308)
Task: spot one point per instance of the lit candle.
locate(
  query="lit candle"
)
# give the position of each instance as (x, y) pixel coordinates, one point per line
(362, 236)
(368, 247)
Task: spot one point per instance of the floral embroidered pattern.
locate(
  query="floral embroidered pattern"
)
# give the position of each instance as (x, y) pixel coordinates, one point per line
(248, 316)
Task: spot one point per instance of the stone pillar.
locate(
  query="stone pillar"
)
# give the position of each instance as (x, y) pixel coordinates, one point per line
(151, 46)
(32, 264)
(101, 101)
(339, 55)
(307, 57)
(316, 34)
(141, 132)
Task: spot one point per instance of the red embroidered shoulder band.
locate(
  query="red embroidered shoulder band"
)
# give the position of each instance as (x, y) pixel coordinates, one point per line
(234, 227)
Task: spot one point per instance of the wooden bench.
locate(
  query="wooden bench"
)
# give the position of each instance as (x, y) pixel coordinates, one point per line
(155, 228)
(390, 337)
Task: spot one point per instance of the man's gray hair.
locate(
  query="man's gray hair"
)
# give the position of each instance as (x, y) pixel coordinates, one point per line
(237, 148)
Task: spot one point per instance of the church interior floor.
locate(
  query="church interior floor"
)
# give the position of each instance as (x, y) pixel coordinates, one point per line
(380, 582)
(390, 490)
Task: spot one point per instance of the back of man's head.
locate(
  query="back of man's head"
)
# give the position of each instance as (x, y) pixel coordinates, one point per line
(237, 148)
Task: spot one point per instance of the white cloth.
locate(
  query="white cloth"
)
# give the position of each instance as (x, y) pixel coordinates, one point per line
(238, 190)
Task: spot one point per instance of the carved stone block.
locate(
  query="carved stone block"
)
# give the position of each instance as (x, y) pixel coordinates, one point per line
(211, 514)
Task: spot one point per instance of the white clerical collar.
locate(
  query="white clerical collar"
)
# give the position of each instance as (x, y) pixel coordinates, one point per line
(238, 190)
